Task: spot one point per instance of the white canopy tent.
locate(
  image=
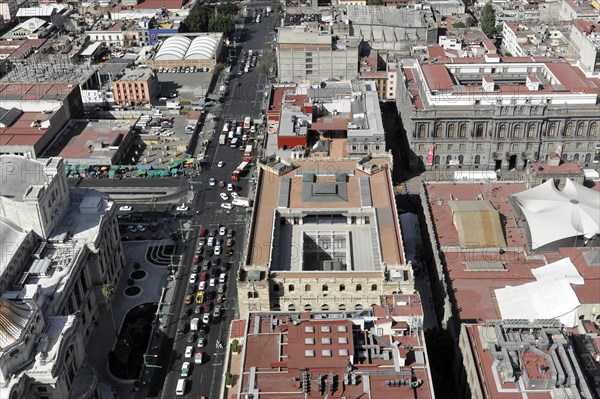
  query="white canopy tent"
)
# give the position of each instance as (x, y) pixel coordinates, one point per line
(545, 299)
(562, 269)
(553, 215)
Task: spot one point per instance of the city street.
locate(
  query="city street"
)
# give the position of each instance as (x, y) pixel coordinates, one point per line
(243, 100)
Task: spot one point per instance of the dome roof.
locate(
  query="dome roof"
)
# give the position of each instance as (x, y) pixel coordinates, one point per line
(173, 48)
(183, 48)
(13, 319)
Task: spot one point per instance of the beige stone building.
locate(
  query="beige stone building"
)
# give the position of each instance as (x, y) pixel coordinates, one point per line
(324, 236)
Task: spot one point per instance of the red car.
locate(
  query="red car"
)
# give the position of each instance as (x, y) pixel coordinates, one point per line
(203, 232)
(207, 306)
(196, 259)
(229, 252)
(204, 276)
(238, 83)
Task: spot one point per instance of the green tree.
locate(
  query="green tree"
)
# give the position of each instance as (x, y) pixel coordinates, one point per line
(221, 23)
(459, 24)
(488, 20)
(108, 292)
(471, 21)
(197, 20)
(228, 8)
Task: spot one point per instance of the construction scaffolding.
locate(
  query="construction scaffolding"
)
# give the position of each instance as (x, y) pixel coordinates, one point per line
(48, 68)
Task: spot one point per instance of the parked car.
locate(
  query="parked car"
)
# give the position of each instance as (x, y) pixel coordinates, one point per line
(224, 196)
(193, 278)
(204, 276)
(212, 282)
(202, 286)
(226, 205)
(212, 181)
(192, 338)
(220, 164)
(189, 350)
(199, 297)
(206, 318)
(185, 369)
(212, 233)
(125, 208)
(201, 342)
(188, 299)
(230, 242)
(217, 250)
(198, 357)
(222, 230)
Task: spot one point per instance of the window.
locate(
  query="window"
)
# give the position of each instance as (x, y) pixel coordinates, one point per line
(479, 147)
(307, 288)
(250, 295)
(276, 288)
(358, 306)
(477, 159)
(500, 147)
(579, 131)
(529, 146)
(358, 287)
(593, 128)
(341, 306)
(374, 287)
(479, 130)
(502, 131)
(569, 129)
(462, 147)
(552, 129)
(422, 130)
(463, 130)
(517, 131)
(325, 288)
(342, 287)
(438, 147)
(308, 307)
(421, 147)
(290, 287)
(448, 159)
(438, 130)
(531, 131)
(324, 307)
(451, 130)
(291, 308)
(450, 147)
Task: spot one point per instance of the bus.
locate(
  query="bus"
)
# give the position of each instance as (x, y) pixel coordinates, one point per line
(234, 142)
(248, 151)
(247, 121)
(239, 171)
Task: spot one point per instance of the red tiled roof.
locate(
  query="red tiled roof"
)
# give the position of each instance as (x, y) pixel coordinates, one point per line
(437, 77)
(543, 168)
(21, 132)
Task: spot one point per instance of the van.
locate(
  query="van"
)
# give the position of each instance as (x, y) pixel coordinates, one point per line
(194, 324)
(181, 385)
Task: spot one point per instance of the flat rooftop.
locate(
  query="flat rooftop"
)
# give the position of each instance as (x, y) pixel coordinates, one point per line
(26, 131)
(302, 35)
(280, 347)
(324, 196)
(35, 91)
(83, 139)
(136, 75)
(476, 273)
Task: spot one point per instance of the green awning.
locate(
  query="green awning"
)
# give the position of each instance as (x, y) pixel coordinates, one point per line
(112, 173)
(176, 164)
(114, 167)
(174, 171)
(141, 172)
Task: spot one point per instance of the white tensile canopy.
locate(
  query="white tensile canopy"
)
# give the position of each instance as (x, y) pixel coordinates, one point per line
(559, 270)
(554, 215)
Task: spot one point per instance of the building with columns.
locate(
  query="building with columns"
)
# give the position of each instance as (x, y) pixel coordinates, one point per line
(497, 113)
(59, 246)
(324, 236)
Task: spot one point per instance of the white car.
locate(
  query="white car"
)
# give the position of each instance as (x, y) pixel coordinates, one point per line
(229, 187)
(189, 351)
(212, 181)
(211, 241)
(222, 277)
(202, 286)
(198, 357)
(182, 208)
(217, 250)
(212, 282)
(132, 228)
(168, 133)
(226, 205)
(206, 318)
(222, 230)
(140, 227)
(193, 278)
(220, 164)
(224, 196)
(235, 195)
(125, 208)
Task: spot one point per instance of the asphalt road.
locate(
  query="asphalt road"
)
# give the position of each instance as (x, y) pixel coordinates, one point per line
(243, 100)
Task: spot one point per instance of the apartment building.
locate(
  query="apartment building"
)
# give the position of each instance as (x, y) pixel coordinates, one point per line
(585, 44)
(136, 87)
(313, 54)
(498, 113)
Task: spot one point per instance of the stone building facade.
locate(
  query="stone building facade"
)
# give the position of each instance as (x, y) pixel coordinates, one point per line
(498, 126)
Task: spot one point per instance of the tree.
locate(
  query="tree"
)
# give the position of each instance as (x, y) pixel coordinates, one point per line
(459, 24)
(471, 21)
(228, 8)
(197, 20)
(374, 2)
(488, 20)
(108, 292)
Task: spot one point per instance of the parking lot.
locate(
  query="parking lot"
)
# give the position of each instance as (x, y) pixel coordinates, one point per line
(188, 86)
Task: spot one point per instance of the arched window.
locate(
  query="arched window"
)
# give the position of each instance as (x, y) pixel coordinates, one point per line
(460, 159)
(436, 160)
(250, 295)
(342, 287)
(325, 307)
(477, 159)
(593, 129)
(325, 288)
(291, 308)
(552, 129)
(308, 307)
(290, 287)
(342, 307)
(462, 132)
(448, 159)
(275, 287)
(358, 287)
(358, 306)
(438, 130)
(374, 287)
(422, 130)
(576, 157)
(451, 130)
(502, 131)
(588, 157)
(531, 130)
(255, 294)
(479, 130)
(307, 288)
(579, 131)
(517, 131)
(569, 129)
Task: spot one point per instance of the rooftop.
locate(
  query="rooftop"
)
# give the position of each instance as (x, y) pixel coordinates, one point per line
(11, 238)
(21, 174)
(35, 91)
(324, 196)
(330, 349)
(26, 131)
(136, 75)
